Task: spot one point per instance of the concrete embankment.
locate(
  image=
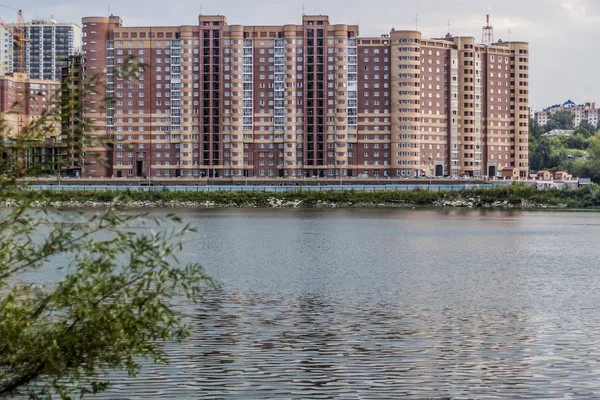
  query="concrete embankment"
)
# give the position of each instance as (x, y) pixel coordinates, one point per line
(460, 202)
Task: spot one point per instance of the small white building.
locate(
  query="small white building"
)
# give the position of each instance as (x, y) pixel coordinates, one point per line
(559, 132)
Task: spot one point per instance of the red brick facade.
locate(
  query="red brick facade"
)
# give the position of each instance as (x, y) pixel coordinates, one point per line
(302, 100)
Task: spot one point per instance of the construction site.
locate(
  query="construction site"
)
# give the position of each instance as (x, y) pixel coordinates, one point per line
(30, 124)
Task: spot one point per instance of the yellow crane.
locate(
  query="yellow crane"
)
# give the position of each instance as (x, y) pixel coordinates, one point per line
(20, 149)
(18, 33)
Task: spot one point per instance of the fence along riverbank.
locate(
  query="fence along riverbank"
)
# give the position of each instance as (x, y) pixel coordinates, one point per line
(476, 196)
(266, 188)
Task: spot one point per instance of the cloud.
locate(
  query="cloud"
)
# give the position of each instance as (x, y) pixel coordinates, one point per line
(559, 31)
(584, 11)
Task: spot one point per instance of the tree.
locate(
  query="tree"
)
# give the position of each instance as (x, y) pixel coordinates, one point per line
(535, 130)
(111, 304)
(585, 129)
(590, 167)
(551, 153)
(562, 119)
(594, 147)
(576, 141)
(542, 154)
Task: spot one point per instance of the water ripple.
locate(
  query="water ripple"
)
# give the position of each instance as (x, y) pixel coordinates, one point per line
(253, 346)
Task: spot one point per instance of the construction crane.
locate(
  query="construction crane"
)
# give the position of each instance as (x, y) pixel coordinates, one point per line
(18, 33)
(21, 152)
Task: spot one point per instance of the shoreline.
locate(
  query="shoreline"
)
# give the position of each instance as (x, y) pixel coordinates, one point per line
(186, 205)
(272, 202)
(515, 197)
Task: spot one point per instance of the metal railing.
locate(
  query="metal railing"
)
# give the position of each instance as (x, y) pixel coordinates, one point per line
(283, 188)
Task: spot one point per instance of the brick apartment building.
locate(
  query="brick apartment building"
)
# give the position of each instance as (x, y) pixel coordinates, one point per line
(314, 99)
(28, 97)
(22, 101)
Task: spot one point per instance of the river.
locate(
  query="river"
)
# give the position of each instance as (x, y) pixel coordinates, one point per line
(369, 304)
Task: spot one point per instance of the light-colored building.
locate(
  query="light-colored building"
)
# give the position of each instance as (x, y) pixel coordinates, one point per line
(50, 44)
(544, 175)
(562, 176)
(6, 51)
(581, 112)
(461, 107)
(314, 99)
(559, 132)
(510, 173)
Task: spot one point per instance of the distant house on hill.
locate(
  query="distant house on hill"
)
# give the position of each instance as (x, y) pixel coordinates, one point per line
(544, 175)
(510, 173)
(581, 112)
(561, 176)
(559, 132)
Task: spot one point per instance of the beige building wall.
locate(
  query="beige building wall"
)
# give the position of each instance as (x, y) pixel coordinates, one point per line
(312, 99)
(406, 99)
(520, 58)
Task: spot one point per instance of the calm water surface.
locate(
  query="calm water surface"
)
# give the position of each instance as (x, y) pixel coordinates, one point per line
(381, 304)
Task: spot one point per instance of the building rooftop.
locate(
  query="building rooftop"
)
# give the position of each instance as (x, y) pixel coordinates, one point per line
(568, 104)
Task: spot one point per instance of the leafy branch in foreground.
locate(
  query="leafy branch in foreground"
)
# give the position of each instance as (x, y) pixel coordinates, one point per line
(113, 305)
(111, 301)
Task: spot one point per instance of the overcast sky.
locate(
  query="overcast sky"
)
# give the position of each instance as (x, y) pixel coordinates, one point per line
(562, 33)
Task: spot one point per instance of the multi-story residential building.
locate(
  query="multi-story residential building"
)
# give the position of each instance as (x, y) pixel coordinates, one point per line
(23, 101)
(6, 51)
(49, 45)
(314, 99)
(581, 112)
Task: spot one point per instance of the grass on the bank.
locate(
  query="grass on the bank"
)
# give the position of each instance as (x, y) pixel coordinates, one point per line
(588, 196)
(259, 199)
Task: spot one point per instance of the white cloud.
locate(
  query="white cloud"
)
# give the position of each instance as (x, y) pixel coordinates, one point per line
(559, 31)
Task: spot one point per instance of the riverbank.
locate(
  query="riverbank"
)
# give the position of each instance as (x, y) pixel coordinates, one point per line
(514, 197)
